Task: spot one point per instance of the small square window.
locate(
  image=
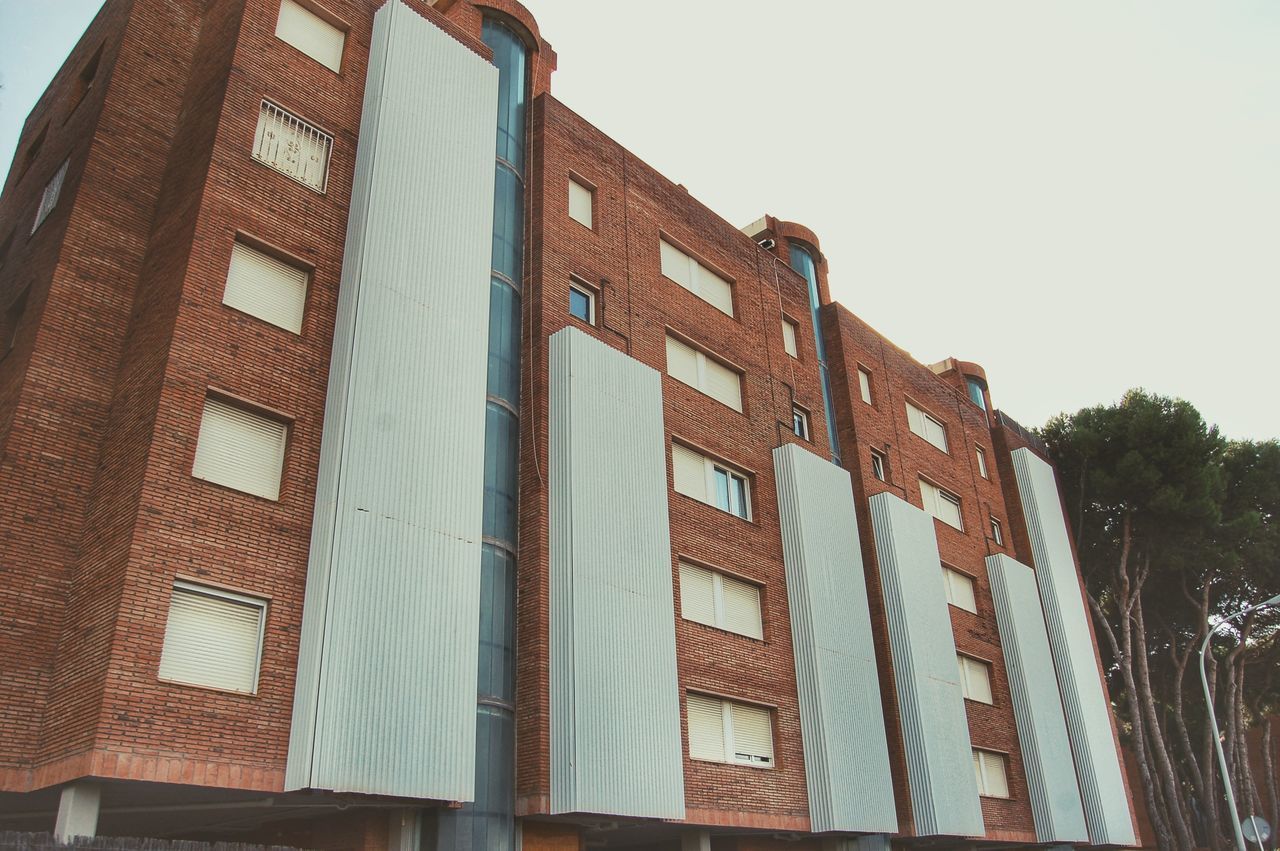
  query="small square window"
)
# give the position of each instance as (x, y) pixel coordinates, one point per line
(997, 533)
(982, 463)
(582, 304)
(879, 465)
(800, 422)
(213, 638)
(240, 449)
(581, 203)
(975, 679)
(311, 34)
(864, 385)
(991, 773)
(961, 591)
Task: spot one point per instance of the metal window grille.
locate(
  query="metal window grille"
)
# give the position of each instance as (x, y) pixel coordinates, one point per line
(292, 147)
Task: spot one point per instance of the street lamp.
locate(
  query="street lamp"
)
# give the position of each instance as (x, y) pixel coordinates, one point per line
(1213, 719)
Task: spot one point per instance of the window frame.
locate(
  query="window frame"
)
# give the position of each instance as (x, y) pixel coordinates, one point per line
(256, 145)
(261, 603)
(971, 583)
(252, 409)
(880, 465)
(927, 419)
(983, 469)
(284, 258)
(711, 466)
(696, 263)
(980, 756)
(727, 706)
(703, 359)
(800, 415)
(944, 495)
(791, 342)
(864, 385)
(719, 606)
(324, 16)
(581, 287)
(966, 663)
(997, 531)
(590, 189)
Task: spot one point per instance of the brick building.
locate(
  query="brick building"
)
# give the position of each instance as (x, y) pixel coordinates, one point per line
(368, 486)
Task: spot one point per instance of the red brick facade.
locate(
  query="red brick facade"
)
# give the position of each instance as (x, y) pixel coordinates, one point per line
(124, 334)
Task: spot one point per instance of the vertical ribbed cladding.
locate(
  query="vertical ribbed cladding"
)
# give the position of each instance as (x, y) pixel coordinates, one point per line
(935, 729)
(1088, 715)
(383, 698)
(845, 751)
(615, 705)
(1037, 703)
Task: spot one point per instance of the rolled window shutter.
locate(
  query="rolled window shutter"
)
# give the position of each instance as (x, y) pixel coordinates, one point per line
(789, 339)
(265, 287)
(676, 266)
(580, 203)
(682, 362)
(960, 590)
(706, 728)
(935, 433)
(212, 640)
(715, 290)
(239, 449)
(742, 608)
(697, 594)
(311, 34)
(690, 472)
(915, 420)
(721, 383)
(752, 734)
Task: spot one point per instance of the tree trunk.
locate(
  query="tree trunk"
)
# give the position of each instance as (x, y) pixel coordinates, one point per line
(1269, 774)
(1213, 800)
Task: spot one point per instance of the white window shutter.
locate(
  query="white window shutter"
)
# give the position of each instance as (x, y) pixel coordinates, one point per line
(580, 202)
(706, 728)
(262, 286)
(212, 639)
(715, 290)
(697, 594)
(742, 608)
(915, 420)
(864, 385)
(982, 463)
(721, 383)
(239, 449)
(752, 734)
(311, 34)
(693, 276)
(991, 774)
(789, 339)
(975, 677)
(935, 433)
(682, 362)
(960, 590)
(690, 471)
(940, 504)
(676, 265)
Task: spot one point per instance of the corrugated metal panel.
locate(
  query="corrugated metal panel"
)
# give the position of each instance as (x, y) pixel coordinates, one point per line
(845, 752)
(385, 701)
(1037, 703)
(935, 729)
(1088, 715)
(615, 710)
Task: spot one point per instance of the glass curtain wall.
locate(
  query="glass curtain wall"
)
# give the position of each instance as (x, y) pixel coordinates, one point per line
(802, 261)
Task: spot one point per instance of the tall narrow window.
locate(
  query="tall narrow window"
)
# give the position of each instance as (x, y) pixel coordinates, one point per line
(85, 79)
(864, 385)
(927, 426)
(789, 338)
(960, 590)
(690, 366)
(311, 34)
(991, 772)
(879, 465)
(997, 532)
(49, 199)
(975, 678)
(982, 463)
(263, 286)
(696, 278)
(700, 478)
(943, 505)
(31, 154)
(13, 320)
(213, 638)
(239, 449)
(709, 597)
(581, 203)
(292, 147)
(582, 303)
(725, 731)
(800, 422)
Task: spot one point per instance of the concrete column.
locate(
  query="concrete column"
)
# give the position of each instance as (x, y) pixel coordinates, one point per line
(78, 810)
(870, 842)
(695, 840)
(405, 830)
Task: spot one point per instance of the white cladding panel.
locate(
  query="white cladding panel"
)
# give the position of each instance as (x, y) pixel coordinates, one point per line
(615, 704)
(385, 702)
(935, 727)
(841, 722)
(1075, 657)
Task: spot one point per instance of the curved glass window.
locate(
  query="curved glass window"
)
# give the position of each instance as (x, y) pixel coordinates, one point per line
(975, 392)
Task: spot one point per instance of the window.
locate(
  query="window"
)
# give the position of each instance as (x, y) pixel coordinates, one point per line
(975, 679)
(32, 153)
(84, 81)
(724, 731)
(582, 303)
(982, 463)
(711, 598)
(800, 422)
(941, 504)
(696, 278)
(976, 388)
(690, 366)
(213, 638)
(789, 338)
(960, 590)
(581, 203)
(292, 147)
(864, 385)
(5, 248)
(989, 769)
(262, 286)
(12, 320)
(879, 465)
(927, 426)
(997, 533)
(49, 199)
(311, 34)
(240, 449)
(710, 481)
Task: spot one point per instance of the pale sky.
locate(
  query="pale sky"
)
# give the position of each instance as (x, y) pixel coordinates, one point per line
(1081, 196)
